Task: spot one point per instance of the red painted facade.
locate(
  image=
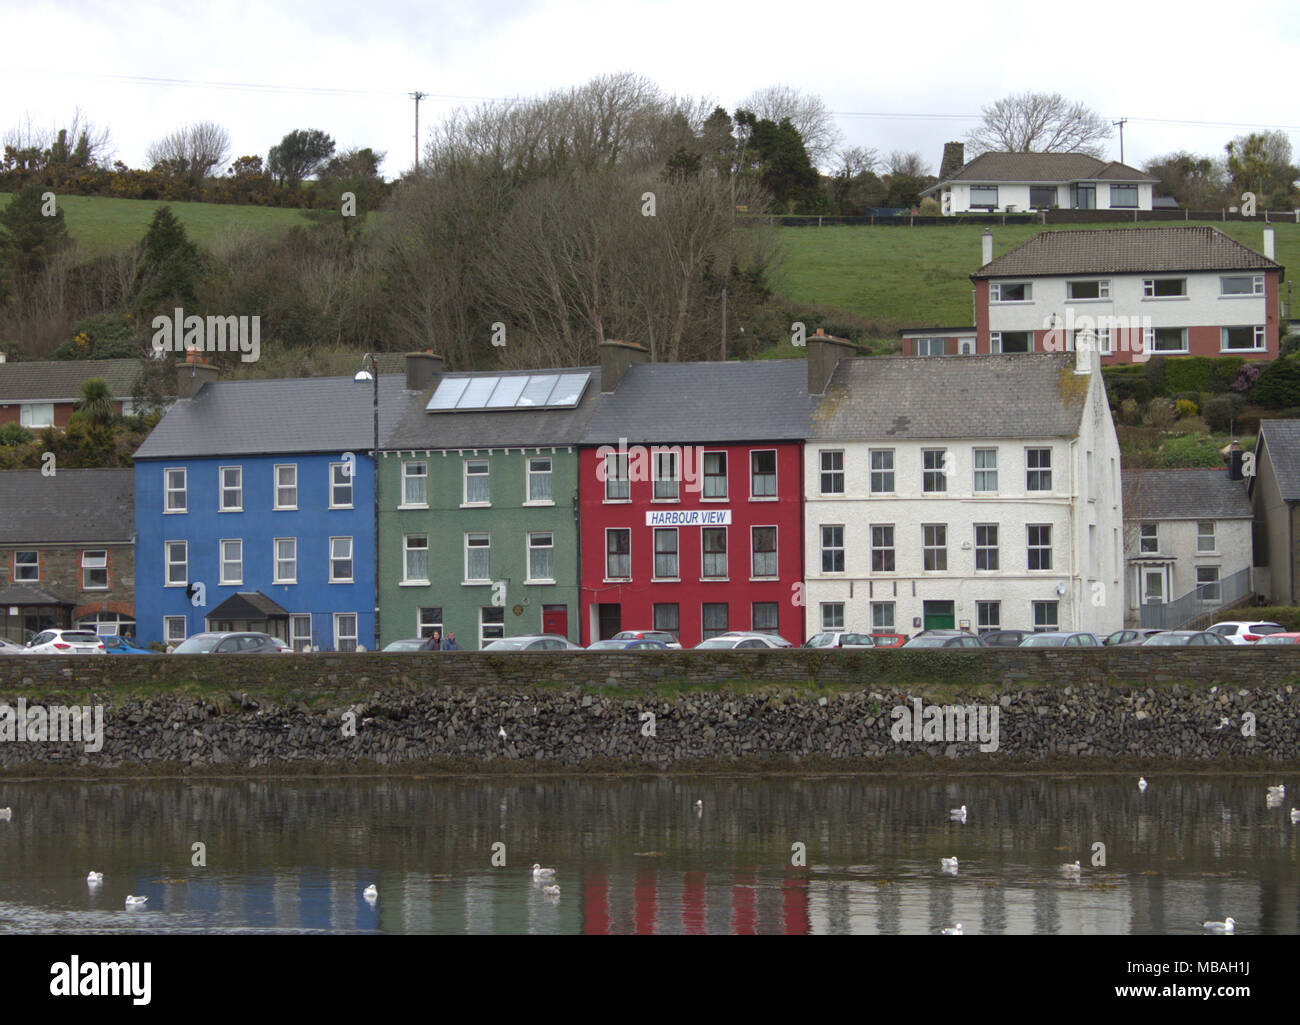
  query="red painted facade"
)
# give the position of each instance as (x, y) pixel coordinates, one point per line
(11, 412)
(629, 603)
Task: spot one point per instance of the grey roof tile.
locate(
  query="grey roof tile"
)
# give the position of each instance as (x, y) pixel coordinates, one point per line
(74, 505)
(1282, 440)
(904, 397)
(1045, 167)
(266, 417)
(1190, 494)
(61, 380)
(1126, 251)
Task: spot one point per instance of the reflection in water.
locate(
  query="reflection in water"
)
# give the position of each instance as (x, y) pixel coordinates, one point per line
(633, 856)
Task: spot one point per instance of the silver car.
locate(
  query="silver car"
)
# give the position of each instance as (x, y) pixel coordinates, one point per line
(232, 644)
(1062, 639)
(533, 642)
(737, 639)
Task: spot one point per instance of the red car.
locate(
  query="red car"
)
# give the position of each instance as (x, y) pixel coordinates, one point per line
(1282, 638)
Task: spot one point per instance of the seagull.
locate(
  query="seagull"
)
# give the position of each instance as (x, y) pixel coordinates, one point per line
(1072, 869)
(1227, 925)
(1142, 783)
(94, 878)
(6, 814)
(136, 902)
(371, 892)
(958, 814)
(1273, 800)
(949, 864)
(540, 873)
(1295, 815)
(952, 931)
(551, 891)
(1223, 722)
(501, 732)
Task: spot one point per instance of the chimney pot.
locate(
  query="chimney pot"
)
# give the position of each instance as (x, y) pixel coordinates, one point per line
(987, 248)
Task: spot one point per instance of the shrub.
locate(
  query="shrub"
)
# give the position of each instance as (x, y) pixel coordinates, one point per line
(930, 207)
(1130, 412)
(1289, 345)
(1223, 410)
(1188, 373)
(15, 434)
(1191, 425)
(1278, 385)
(1161, 413)
(1154, 371)
(1185, 407)
(1226, 370)
(1246, 378)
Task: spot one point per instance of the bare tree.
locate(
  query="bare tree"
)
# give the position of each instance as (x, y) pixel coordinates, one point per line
(808, 113)
(191, 152)
(911, 164)
(1039, 123)
(80, 143)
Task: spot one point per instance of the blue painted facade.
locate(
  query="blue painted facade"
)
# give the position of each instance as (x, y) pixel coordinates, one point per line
(257, 525)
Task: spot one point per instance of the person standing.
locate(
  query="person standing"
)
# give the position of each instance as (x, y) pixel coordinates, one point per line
(435, 642)
(450, 643)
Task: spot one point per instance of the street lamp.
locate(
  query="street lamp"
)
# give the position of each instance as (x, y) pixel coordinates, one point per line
(372, 374)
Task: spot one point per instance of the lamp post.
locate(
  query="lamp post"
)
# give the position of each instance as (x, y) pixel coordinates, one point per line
(370, 372)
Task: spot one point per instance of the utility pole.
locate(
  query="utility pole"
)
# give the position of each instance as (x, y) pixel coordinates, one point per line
(417, 96)
(1121, 123)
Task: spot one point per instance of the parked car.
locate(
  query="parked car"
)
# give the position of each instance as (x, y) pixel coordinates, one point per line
(1185, 638)
(232, 644)
(619, 643)
(533, 642)
(1005, 638)
(65, 642)
(1061, 639)
(1282, 638)
(739, 639)
(411, 644)
(1129, 638)
(945, 639)
(1245, 631)
(10, 647)
(875, 640)
(662, 636)
(825, 639)
(116, 645)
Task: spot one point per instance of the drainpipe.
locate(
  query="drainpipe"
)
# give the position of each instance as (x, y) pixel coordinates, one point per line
(1076, 583)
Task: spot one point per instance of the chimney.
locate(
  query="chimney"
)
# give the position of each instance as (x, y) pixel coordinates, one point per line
(954, 158)
(1268, 241)
(422, 369)
(193, 374)
(615, 358)
(1236, 460)
(987, 248)
(2, 357)
(824, 353)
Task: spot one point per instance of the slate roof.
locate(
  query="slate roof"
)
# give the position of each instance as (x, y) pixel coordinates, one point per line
(74, 505)
(760, 400)
(25, 594)
(420, 429)
(1046, 167)
(1282, 439)
(247, 605)
(1145, 250)
(904, 332)
(881, 398)
(1183, 495)
(61, 380)
(269, 417)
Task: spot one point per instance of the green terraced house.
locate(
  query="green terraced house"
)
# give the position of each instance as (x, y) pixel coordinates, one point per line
(478, 519)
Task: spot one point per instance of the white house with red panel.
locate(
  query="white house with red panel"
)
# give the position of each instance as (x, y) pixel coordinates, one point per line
(1132, 292)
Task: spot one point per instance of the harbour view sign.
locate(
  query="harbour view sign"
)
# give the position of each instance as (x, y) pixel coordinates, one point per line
(688, 518)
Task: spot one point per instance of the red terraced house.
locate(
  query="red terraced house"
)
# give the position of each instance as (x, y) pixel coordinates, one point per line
(690, 494)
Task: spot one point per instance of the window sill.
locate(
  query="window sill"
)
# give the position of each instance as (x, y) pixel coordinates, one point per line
(765, 498)
(1170, 352)
(616, 501)
(528, 505)
(284, 508)
(414, 583)
(424, 505)
(476, 583)
(342, 507)
(666, 501)
(764, 580)
(282, 583)
(665, 580)
(230, 583)
(175, 512)
(348, 581)
(476, 505)
(715, 580)
(1242, 352)
(1165, 298)
(616, 580)
(721, 499)
(539, 583)
(239, 510)
(1242, 295)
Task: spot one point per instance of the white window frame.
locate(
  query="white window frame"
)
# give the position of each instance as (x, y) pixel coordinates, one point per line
(986, 548)
(409, 477)
(168, 623)
(350, 558)
(298, 640)
(996, 287)
(1256, 286)
(169, 490)
(995, 341)
(927, 346)
(939, 549)
(531, 474)
(676, 553)
(824, 548)
(22, 578)
(344, 641)
(532, 547)
(1043, 550)
(1149, 289)
(618, 483)
(222, 489)
(994, 623)
(425, 626)
(978, 471)
(1209, 591)
(27, 414)
(276, 578)
(1103, 290)
(494, 631)
(824, 471)
(775, 553)
(1040, 470)
(673, 478)
(222, 562)
(277, 487)
(706, 477)
(776, 486)
(168, 563)
(348, 481)
(87, 566)
(726, 554)
(832, 613)
(465, 502)
(754, 606)
(407, 548)
(927, 455)
(1202, 535)
(883, 616)
(889, 470)
(887, 552)
(1149, 341)
(1049, 625)
(478, 537)
(1260, 338)
(608, 553)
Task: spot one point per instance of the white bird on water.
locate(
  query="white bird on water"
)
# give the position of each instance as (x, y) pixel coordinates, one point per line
(540, 873)
(1227, 925)
(1295, 815)
(551, 891)
(958, 814)
(954, 930)
(949, 864)
(371, 892)
(1278, 791)
(6, 814)
(94, 878)
(1072, 868)
(1142, 783)
(136, 902)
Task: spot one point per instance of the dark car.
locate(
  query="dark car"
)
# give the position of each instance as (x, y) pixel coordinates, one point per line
(115, 645)
(627, 644)
(1186, 638)
(1130, 638)
(411, 644)
(1005, 638)
(1061, 639)
(944, 639)
(232, 644)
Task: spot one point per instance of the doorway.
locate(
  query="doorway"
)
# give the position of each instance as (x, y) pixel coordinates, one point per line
(555, 620)
(938, 615)
(610, 620)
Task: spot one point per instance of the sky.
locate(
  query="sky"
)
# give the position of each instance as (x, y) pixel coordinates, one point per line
(1186, 77)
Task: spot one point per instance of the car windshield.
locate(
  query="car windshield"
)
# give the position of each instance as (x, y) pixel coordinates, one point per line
(934, 641)
(826, 639)
(718, 642)
(1167, 640)
(199, 642)
(404, 646)
(613, 642)
(507, 646)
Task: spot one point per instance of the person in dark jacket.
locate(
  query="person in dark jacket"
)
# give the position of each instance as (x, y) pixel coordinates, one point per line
(434, 643)
(450, 643)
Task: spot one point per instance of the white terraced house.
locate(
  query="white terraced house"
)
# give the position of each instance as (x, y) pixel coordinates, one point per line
(979, 492)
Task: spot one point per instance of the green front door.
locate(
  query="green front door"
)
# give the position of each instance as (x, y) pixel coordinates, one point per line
(938, 615)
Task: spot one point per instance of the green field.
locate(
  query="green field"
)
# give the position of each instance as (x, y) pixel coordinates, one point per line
(920, 277)
(100, 225)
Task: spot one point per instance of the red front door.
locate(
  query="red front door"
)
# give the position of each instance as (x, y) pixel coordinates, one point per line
(555, 620)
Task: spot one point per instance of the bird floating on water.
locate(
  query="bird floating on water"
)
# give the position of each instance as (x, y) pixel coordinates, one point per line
(1295, 815)
(94, 878)
(1072, 868)
(135, 902)
(958, 814)
(1280, 789)
(551, 891)
(1142, 783)
(1227, 925)
(6, 814)
(542, 873)
(954, 930)
(949, 863)
(371, 892)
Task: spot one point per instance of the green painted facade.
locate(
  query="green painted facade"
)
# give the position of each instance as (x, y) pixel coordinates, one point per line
(508, 521)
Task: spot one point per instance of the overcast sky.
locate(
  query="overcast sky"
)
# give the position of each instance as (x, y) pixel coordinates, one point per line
(1222, 69)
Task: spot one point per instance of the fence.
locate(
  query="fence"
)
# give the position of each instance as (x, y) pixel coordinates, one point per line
(1196, 609)
(909, 220)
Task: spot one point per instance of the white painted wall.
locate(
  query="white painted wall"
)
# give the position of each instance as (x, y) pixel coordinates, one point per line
(1016, 194)
(1176, 540)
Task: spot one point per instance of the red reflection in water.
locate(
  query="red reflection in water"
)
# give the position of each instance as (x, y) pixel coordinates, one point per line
(795, 911)
(694, 905)
(595, 906)
(647, 902)
(744, 914)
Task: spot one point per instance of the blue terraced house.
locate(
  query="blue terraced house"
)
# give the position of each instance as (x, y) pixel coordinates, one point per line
(255, 511)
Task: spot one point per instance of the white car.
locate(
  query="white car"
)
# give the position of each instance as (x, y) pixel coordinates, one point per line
(1245, 631)
(737, 639)
(10, 647)
(66, 642)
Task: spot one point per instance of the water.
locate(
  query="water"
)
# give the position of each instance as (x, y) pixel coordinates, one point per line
(634, 856)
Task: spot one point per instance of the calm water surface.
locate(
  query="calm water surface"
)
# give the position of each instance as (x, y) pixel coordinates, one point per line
(634, 856)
